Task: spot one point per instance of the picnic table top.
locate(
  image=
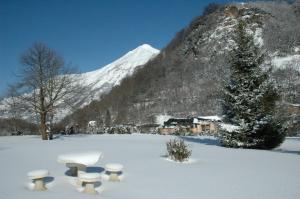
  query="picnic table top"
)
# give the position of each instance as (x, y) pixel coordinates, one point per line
(84, 158)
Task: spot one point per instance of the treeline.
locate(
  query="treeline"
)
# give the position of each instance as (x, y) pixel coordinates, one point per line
(17, 126)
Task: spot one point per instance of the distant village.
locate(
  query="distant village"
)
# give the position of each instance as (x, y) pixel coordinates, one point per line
(202, 125)
(167, 125)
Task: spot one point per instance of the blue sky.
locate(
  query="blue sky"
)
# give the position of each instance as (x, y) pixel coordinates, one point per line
(88, 33)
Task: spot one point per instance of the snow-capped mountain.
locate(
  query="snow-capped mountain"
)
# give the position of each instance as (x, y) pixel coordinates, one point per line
(102, 80)
(98, 82)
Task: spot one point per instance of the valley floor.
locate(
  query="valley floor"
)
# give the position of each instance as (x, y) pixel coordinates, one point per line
(214, 172)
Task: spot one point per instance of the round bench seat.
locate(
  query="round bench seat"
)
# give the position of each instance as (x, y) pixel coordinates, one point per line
(114, 169)
(89, 179)
(38, 178)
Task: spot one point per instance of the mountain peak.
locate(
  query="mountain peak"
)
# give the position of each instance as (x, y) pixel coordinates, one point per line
(147, 47)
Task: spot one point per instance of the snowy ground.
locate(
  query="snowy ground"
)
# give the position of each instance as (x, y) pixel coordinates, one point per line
(214, 172)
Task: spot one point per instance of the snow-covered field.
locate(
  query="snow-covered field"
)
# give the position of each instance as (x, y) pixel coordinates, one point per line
(214, 172)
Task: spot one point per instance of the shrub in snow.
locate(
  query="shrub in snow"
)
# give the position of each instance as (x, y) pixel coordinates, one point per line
(182, 131)
(123, 130)
(177, 150)
(119, 129)
(249, 99)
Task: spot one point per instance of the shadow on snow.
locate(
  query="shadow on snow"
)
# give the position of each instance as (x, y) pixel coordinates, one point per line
(202, 140)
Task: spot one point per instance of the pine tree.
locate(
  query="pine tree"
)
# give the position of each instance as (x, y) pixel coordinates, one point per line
(107, 118)
(249, 98)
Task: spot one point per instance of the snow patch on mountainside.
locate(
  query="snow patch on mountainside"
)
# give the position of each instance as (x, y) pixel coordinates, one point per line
(287, 61)
(220, 38)
(161, 119)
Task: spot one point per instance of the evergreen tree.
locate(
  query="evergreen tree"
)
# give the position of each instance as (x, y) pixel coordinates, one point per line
(249, 98)
(107, 118)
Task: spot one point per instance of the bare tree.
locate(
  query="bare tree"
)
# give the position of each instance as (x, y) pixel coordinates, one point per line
(45, 84)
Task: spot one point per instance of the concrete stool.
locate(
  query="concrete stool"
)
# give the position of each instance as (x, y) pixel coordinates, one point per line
(89, 179)
(38, 178)
(114, 169)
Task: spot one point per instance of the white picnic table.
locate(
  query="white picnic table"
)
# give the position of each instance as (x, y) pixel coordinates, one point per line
(79, 161)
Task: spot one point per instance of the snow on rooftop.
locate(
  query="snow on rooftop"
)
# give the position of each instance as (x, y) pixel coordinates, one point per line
(160, 119)
(195, 120)
(213, 118)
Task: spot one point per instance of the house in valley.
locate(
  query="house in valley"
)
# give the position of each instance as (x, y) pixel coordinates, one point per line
(191, 126)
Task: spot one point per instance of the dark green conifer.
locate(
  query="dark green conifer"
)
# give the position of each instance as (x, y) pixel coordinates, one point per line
(249, 98)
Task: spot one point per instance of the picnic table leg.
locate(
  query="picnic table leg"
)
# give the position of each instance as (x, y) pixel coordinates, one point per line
(81, 168)
(39, 184)
(89, 188)
(73, 171)
(74, 168)
(114, 176)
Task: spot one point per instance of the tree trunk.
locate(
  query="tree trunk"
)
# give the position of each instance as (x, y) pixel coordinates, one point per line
(43, 126)
(43, 113)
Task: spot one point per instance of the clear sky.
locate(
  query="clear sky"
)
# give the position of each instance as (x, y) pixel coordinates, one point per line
(88, 33)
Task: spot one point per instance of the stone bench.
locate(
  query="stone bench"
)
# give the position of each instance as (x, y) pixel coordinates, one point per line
(89, 180)
(38, 178)
(114, 169)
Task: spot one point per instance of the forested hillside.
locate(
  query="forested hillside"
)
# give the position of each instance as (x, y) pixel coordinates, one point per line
(186, 77)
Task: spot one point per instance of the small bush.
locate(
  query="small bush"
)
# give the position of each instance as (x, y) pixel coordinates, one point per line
(177, 150)
(182, 131)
